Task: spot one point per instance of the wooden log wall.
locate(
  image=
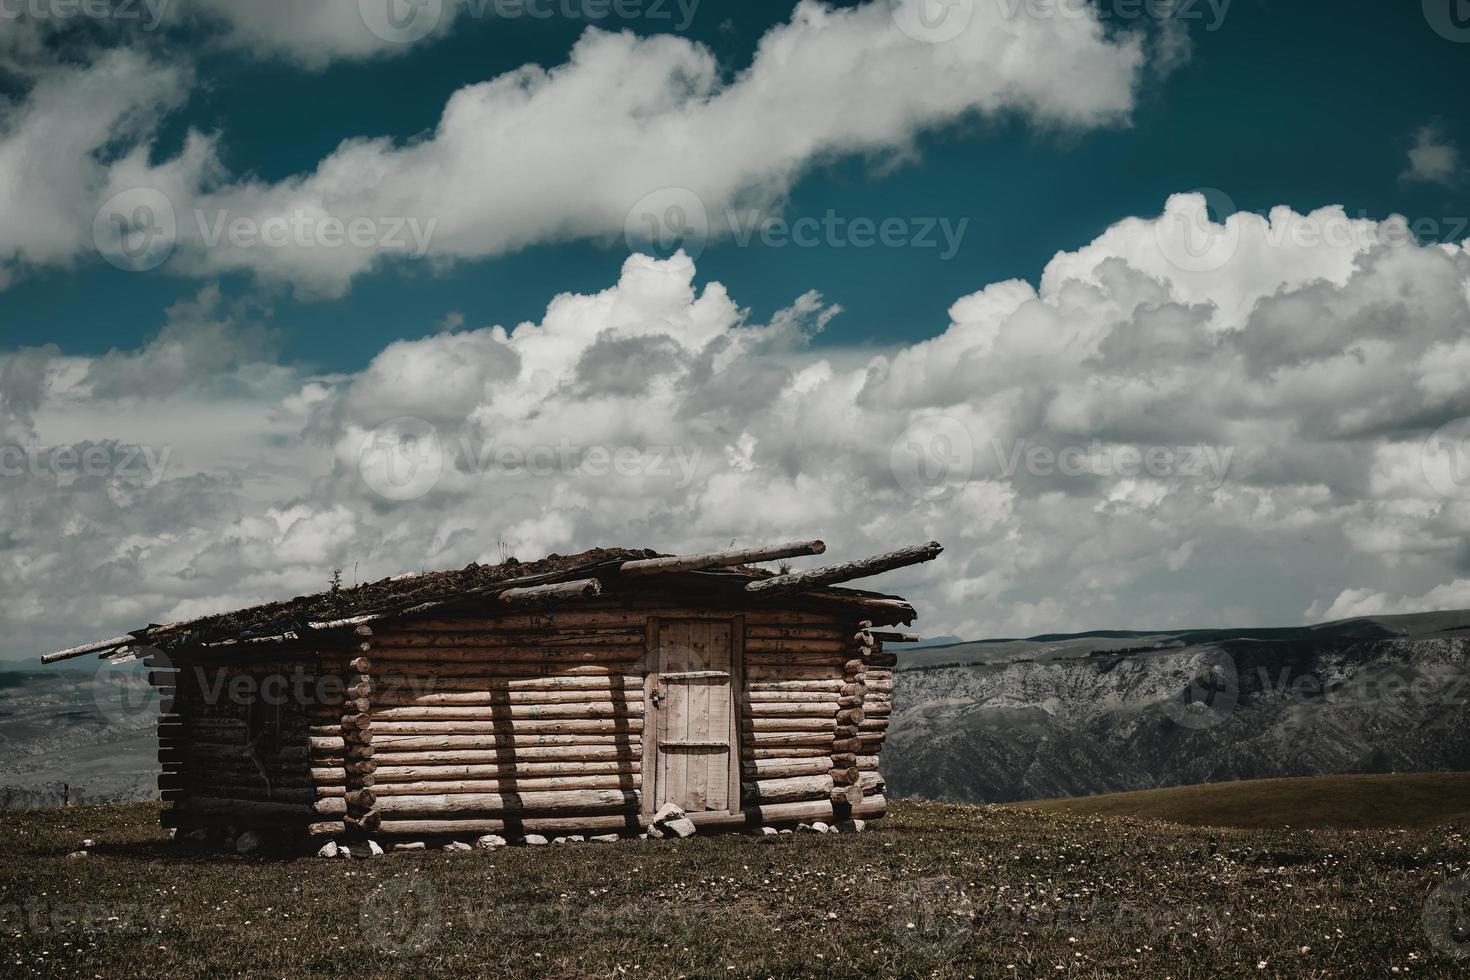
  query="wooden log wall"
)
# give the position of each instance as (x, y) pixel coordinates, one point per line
(519, 723)
(237, 736)
(527, 722)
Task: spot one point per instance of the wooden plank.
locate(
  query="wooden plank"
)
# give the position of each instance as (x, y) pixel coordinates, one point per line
(651, 793)
(737, 709)
(720, 559)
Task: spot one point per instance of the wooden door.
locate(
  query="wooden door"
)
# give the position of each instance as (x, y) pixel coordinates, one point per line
(692, 715)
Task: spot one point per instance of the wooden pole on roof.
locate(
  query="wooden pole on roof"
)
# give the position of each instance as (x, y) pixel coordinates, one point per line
(720, 559)
(847, 571)
(86, 648)
(558, 590)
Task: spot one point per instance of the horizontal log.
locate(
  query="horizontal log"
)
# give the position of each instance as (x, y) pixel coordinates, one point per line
(483, 699)
(791, 709)
(786, 790)
(719, 559)
(831, 684)
(584, 710)
(805, 724)
(555, 592)
(609, 725)
(510, 827)
(548, 784)
(479, 667)
(794, 633)
(494, 804)
(758, 673)
(790, 645)
(507, 770)
(773, 739)
(394, 756)
(506, 744)
(871, 808)
(783, 767)
(549, 638)
(778, 813)
(759, 752)
(828, 699)
(867, 763)
(495, 656)
(478, 679)
(846, 571)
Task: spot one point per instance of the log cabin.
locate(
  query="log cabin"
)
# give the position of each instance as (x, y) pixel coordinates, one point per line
(572, 695)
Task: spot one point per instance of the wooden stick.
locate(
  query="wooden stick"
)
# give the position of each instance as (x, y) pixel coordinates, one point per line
(720, 559)
(897, 637)
(533, 594)
(846, 572)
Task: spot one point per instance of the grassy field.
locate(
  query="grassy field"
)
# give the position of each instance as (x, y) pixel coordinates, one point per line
(939, 890)
(1357, 802)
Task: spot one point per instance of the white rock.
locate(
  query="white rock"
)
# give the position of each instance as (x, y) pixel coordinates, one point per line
(821, 827)
(490, 842)
(89, 842)
(457, 846)
(77, 854)
(667, 812)
(248, 842)
(851, 826)
(329, 850)
(766, 831)
(374, 849)
(533, 840)
(683, 827)
(604, 839)
(786, 830)
(368, 850)
(805, 828)
(416, 845)
(576, 839)
(653, 832)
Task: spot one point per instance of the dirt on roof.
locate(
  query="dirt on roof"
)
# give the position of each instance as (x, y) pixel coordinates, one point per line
(275, 617)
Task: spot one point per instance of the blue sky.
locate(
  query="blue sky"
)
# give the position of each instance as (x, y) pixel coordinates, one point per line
(1306, 104)
(1169, 240)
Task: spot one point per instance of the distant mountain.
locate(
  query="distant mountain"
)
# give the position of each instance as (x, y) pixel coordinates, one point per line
(1110, 711)
(75, 733)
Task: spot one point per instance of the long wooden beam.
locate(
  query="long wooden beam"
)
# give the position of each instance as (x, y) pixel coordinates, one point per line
(847, 571)
(558, 590)
(97, 647)
(720, 559)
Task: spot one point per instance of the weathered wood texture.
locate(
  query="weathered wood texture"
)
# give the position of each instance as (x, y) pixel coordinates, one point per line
(541, 720)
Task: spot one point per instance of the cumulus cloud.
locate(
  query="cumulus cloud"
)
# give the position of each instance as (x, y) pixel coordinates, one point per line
(506, 166)
(1433, 159)
(315, 33)
(51, 177)
(1135, 442)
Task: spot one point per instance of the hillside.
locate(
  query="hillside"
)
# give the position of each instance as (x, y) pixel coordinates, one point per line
(1357, 802)
(937, 890)
(1065, 716)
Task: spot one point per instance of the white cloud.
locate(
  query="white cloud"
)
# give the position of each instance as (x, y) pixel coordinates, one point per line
(51, 180)
(316, 32)
(507, 166)
(1352, 603)
(1433, 159)
(1188, 445)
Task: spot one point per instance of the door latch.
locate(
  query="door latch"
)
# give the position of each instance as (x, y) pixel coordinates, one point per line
(656, 697)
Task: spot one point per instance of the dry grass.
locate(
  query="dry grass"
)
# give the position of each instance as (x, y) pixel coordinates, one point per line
(939, 890)
(1356, 802)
